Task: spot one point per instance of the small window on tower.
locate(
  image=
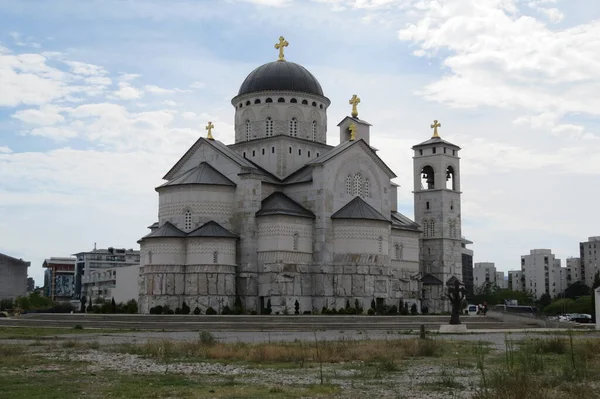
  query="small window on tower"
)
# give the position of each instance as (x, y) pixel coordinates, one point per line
(269, 100)
(420, 152)
(247, 103)
(299, 151)
(444, 150)
(453, 152)
(272, 150)
(269, 126)
(317, 154)
(188, 220)
(248, 130)
(309, 154)
(427, 204)
(290, 150)
(304, 102)
(434, 149)
(380, 242)
(293, 100)
(257, 101)
(314, 104)
(263, 151)
(294, 127)
(296, 237)
(215, 257)
(314, 130)
(253, 153)
(244, 154)
(281, 100)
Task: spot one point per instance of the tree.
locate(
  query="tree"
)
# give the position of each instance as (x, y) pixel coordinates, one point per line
(456, 295)
(544, 300)
(296, 307)
(113, 306)
(576, 290)
(83, 301)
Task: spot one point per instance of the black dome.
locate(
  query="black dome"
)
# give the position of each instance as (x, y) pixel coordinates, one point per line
(281, 76)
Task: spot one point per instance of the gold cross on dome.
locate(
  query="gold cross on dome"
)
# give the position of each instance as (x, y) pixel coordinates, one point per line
(279, 46)
(435, 126)
(352, 129)
(354, 101)
(210, 127)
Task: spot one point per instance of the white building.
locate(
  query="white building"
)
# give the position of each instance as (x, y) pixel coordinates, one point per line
(280, 216)
(542, 273)
(119, 283)
(500, 281)
(515, 280)
(13, 277)
(484, 273)
(573, 270)
(101, 260)
(589, 252)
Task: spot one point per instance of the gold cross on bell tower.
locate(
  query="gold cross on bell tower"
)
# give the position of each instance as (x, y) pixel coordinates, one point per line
(435, 126)
(210, 127)
(354, 101)
(279, 46)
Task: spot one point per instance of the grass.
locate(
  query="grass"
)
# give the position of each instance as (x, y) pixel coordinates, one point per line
(298, 353)
(547, 368)
(41, 332)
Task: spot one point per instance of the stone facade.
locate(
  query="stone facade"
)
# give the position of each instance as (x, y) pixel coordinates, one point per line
(280, 216)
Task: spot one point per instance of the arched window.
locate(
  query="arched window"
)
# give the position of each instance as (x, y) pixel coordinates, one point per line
(216, 257)
(321, 106)
(281, 100)
(314, 104)
(294, 127)
(149, 257)
(269, 126)
(380, 243)
(432, 228)
(257, 101)
(293, 100)
(427, 178)
(248, 130)
(349, 185)
(188, 220)
(398, 251)
(450, 182)
(304, 102)
(425, 228)
(357, 185)
(296, 238)
(269, 100)
(452, 228)
(314, 130)
(247, 103)
(366, 187)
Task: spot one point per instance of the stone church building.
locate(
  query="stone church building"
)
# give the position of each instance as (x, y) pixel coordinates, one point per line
(281, 216)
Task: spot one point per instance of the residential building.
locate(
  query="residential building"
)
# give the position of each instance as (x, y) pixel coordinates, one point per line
(119, 283)
(13, 277)
(515, 280)
(573, 270)
(542, 272)
(59, 278)
(589, 252)
(102, 259)
(484, 273)
(30, 284)
(467, 266)
(500, 281)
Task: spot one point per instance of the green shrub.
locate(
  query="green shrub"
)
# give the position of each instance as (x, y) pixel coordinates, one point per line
(238, 308)
(358, 306)
(197, 310)
(226, 310)
(413, 309)
(77, 327)
(296, 307)
(185, 309)
(156, 310)
(393, 310)
(404, 310)
(131, 306)
(206, 338)
(177, 310)
(341, 311)
(371, 312)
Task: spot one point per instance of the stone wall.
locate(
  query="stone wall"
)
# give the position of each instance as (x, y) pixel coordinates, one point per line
(205, 203)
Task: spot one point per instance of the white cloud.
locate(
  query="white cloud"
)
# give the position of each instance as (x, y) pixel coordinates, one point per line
(270, 3)
(58, 133)
(198, 85)
(169, 103)
(82, 68)
(158, 90)
(45, 115)
(19, 42)
(128, 93)
(5, 150)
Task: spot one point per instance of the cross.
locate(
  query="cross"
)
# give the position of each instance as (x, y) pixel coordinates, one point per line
(354, 101)
(352, 129)
(279, 46)
(210, 127)
(435, 126)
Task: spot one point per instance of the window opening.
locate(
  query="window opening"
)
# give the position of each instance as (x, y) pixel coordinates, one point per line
(269, 100)
(294, 127)
(314, 130)
(248, 130)
(293, 100)
(296, 236)
(188, 220)
(216, 257)
(269, 126)
(281, 100)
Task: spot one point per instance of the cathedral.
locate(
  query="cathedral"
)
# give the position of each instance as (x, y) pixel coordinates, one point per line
(281, 217)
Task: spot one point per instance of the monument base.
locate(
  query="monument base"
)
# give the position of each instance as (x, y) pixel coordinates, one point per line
(453, 328)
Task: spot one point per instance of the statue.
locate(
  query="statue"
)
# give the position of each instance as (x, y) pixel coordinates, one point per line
(456, 295)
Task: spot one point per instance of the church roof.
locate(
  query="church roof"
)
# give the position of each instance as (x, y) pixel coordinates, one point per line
(201, 174)
(358, 209)
(357, 120)
(166, 230)
(212, 229)
(436, 140)
(302, 175)
(401, 222)
(217, 145)
(430, 279)
(346, 145)
(281, 76)
(280, 204)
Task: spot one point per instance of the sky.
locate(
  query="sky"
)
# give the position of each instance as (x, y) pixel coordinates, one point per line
(98, 99)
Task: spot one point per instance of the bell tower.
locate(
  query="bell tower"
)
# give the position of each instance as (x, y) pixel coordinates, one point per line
(436, 168)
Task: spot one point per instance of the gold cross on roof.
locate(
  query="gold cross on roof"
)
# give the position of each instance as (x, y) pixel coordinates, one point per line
(210, 127)
(354, 101)
(435, 126)
(279, 46)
